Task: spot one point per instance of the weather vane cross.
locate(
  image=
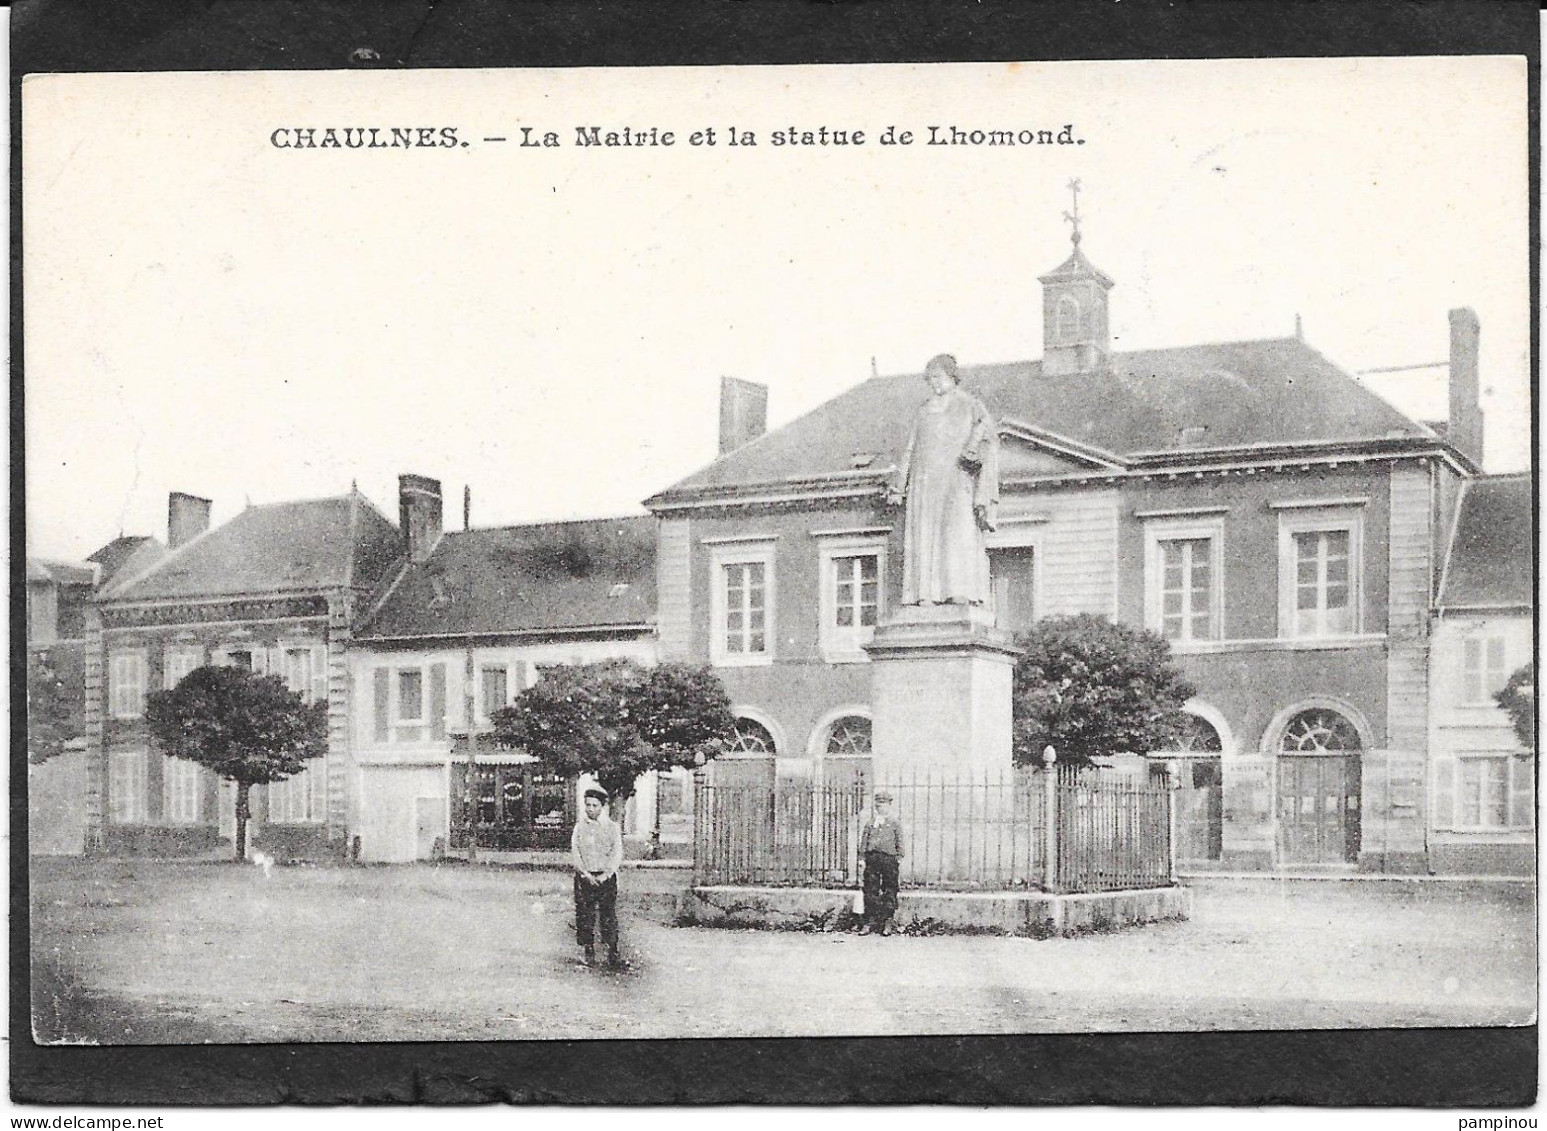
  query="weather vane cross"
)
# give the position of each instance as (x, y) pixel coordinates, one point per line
(1074, 216)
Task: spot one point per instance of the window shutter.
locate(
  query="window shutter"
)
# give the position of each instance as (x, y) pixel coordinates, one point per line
(521, 677)
(317, 785)
(382, 680)
(1521, 794)
(260, 661)
(320, 675)
(1444, 816)
(437, 701)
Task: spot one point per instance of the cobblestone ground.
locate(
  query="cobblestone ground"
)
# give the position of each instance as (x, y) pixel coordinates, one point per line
(159, 952)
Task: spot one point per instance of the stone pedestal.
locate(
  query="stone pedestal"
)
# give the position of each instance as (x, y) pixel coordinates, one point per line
(940, 679)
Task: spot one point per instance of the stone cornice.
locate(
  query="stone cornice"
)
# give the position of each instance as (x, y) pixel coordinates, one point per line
(213, 611)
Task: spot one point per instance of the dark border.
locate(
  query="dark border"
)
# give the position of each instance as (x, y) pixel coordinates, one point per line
(1413, 1068)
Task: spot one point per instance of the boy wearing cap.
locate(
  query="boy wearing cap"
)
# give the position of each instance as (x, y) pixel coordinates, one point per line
(880, 847)
(596, 850)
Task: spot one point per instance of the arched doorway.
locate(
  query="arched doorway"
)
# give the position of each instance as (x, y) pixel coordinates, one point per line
(1319, 786)
(1200, 800)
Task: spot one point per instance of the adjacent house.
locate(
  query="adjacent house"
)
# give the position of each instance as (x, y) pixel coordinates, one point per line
(467, 622)
(276, 590)
(1483, 788)
(58, 596)
(1250, 501)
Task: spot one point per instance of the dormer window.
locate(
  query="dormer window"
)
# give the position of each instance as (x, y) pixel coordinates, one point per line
(1067, 328)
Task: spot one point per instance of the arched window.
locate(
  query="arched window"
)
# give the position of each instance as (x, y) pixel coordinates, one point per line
(1318, 729)
(848, 737)
(1067, 328)
(752, 737)
(1198, 736)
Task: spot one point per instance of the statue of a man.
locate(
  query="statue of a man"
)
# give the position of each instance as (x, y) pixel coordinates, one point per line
(949, 481)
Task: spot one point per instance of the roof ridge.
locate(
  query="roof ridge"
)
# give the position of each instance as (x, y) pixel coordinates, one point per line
(1450, 541)
(344, 498)
(386, 593)
(173, 552)
(349, 543)
(756, 440)
(546, 522)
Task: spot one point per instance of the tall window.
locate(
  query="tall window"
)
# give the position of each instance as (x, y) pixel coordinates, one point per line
(1319, 565)
(126, 685)
(1068, 328)
(183, 783)
(1323, 589)
(126, 786)
(176, 663)
(304, 672)
(297, 799)
(1186, 589)
(409, 703)
(743, 605)
(1491, 790)
(1482, 793)
(746, 608)
(1183, 582)
(1012, 570)
(853, 573)
(857, 596)
(493, 689)
(1483, 670)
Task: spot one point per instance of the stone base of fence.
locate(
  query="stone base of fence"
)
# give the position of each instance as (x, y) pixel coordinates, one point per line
(1029, 914)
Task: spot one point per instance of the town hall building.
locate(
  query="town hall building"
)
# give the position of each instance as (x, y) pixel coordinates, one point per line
(1274, 520)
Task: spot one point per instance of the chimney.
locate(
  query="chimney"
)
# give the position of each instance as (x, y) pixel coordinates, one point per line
(419, 514)
(187, 518)
(1465, 427)
(743, 412)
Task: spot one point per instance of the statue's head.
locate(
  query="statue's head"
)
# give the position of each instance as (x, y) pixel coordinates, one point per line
(941, 372)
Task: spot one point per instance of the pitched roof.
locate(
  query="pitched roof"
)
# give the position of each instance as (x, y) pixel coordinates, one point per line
(1490, 561)
(60, 572)
(126, 556)
(276, 548)
(1146, 403)
(551, 576)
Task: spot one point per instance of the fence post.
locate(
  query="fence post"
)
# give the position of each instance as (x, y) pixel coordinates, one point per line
(700, 824)
(1049, 820)
(1173, 783)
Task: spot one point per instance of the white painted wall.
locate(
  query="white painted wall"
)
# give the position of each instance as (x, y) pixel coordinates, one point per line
(393, 776)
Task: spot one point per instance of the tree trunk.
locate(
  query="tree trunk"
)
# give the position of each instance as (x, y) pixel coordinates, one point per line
(242, 789)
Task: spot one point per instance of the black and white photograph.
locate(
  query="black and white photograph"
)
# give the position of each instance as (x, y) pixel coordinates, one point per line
(867, 550)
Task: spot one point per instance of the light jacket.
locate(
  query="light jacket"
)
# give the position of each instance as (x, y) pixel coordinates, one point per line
(597, 846)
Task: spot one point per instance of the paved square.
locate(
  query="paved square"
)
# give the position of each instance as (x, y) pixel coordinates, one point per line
(150, 952)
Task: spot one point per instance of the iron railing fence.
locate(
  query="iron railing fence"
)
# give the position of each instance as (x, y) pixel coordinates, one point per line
(1114, 832)
(961, 829)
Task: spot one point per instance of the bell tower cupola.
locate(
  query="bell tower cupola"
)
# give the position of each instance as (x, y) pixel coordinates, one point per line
(1076, 337)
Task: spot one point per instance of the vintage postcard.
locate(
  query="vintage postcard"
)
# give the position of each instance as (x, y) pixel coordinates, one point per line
(862, 550)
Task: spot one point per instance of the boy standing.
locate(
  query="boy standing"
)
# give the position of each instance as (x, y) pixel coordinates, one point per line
(880, 847)
(596, 850)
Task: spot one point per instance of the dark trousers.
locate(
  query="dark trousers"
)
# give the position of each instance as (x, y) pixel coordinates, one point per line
(591, 901)
(880, 887)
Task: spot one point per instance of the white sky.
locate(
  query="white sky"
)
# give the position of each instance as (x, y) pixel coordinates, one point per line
(207, 313)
